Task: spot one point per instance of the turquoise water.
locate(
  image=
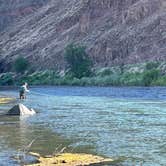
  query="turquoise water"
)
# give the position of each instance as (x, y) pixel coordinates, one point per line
(126, 124)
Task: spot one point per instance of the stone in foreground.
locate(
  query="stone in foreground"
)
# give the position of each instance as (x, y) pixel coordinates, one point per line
(69, 159)
(20, 110)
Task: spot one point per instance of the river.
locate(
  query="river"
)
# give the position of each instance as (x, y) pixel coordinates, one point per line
(127, 124)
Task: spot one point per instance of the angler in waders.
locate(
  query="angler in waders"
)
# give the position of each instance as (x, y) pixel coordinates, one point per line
(23, 90)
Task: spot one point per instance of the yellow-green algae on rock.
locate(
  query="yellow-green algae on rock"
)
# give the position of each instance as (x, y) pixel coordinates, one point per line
(5, 100)
(69, 159)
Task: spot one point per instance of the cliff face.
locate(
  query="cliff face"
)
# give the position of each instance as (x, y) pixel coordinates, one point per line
(114, 31)
(11, 10)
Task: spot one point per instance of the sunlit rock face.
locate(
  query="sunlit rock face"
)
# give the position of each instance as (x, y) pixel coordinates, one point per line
(114, 31)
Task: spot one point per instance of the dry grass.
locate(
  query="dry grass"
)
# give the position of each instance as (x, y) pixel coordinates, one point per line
(5, 100)
(69, 159)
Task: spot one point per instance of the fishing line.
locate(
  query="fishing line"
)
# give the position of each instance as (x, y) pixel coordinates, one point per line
(47, 97)
(41, 94)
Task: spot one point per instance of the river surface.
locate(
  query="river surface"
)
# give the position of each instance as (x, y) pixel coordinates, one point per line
(126, 124)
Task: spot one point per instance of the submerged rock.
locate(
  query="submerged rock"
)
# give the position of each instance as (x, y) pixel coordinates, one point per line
(69, 159)
(20, 110)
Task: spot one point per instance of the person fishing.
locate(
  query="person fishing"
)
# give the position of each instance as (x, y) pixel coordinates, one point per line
(23, 90)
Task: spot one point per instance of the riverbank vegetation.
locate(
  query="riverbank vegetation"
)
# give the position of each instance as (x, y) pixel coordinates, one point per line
(79, 71)
(132, 75)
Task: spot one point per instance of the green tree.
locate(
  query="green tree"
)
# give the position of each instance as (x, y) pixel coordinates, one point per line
(21, 65)
(78, 61)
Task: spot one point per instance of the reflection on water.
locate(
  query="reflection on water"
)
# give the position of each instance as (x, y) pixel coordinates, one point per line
(127, 124)
(17, 133)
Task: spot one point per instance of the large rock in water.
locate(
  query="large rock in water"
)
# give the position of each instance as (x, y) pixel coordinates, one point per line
(21, 110)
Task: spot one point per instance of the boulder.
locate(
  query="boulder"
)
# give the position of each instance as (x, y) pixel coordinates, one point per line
(20, 110)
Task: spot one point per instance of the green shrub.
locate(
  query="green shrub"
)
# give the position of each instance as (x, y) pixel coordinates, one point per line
(78, 61)
(6, 79)
(21, 65)
(75, 82)
(111, 80)
(87, 81)
(151, 65)
(131, 79)
(122, 67)
(161, 81)
(42, 78)
(105, 72)
(150, 76)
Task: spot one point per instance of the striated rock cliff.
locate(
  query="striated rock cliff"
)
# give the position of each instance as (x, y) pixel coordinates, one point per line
(114, 31)
(11, 10)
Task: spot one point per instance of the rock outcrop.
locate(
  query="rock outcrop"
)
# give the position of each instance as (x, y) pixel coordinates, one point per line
(20, 110)
(114, 31)
(12, 10)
